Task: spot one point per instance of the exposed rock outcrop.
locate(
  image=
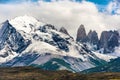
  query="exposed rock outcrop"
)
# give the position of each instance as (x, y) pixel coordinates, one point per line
(47, 27)
(93, 37)
(109, 40)
(81, 34)
(10, 37)
(63, 30)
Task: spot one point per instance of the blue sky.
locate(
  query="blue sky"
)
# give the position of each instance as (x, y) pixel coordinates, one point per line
(101, 2)
(15, 1)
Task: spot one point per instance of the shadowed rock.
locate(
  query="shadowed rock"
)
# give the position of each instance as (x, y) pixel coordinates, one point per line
(109, 40)
(81, 34)
(93, 37)
(63, 30)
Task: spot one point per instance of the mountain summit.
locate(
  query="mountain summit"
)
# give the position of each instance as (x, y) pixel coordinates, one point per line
(81, 34)
(62, 29)
(25, 23)
(107, 43)
(27, 42)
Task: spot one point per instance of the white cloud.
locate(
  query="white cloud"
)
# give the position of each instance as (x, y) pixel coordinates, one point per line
(63, 13)
(114, 7)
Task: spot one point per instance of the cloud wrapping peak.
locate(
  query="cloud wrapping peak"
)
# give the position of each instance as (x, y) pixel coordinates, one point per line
(69, 14)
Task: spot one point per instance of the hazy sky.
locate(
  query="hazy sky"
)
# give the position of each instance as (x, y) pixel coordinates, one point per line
(94, 14)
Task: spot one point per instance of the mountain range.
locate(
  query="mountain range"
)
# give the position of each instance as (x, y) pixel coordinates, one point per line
(106, 44)
(25, 41)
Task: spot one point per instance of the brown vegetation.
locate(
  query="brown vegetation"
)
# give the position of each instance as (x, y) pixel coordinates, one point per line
(29, 73)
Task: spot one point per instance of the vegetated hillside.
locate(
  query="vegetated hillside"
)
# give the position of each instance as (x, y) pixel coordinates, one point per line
(112, 66)
(29, 73)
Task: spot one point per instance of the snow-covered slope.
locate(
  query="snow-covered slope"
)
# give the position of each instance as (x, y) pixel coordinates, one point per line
(27, 24)
(106, 57)
(11, 42)
(33, 43)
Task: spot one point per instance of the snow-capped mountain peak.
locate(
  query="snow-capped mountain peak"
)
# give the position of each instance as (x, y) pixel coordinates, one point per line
(26, 23)
(31, 42)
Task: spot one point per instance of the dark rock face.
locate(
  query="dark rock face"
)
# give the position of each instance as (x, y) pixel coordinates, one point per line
(10, 37)
(109, 40)
(63, 30)
(81, 34)
(61, 43)
(93, 37)
(47, 26)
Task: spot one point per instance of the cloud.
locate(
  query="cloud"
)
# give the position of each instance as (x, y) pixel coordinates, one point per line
(114, 7)
(69, 14)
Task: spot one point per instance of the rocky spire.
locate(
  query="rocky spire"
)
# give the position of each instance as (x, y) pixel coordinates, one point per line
(81, 34)
(93, 37)
(89, 35)
(63, 30)
(109, 40)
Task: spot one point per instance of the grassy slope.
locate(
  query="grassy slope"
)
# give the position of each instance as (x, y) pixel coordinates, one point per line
(113, 66)
(50, 66)
(29, 73)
